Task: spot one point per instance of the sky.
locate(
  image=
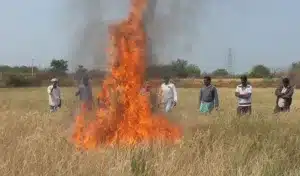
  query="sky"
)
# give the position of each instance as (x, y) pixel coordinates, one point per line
(259, 32)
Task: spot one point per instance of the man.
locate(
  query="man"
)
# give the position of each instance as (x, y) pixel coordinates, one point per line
(54, 95)
(85, 94)
(284, 95)
(244, 93)
(168, 94)
(208, 99)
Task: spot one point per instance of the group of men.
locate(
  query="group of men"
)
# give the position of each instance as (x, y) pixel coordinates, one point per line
(208, 97)
(84, 92)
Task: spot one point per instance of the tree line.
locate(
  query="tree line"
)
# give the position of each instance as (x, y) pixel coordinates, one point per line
(21, 75)
(179, 68)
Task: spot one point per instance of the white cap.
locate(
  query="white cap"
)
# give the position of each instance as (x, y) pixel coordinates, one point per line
(54, 80)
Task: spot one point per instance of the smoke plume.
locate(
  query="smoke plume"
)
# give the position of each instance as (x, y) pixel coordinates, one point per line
(169, 25)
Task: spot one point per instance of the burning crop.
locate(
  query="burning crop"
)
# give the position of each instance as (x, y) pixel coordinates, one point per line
(125, 116)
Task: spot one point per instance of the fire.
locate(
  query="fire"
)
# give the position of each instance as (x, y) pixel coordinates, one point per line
(125, 118)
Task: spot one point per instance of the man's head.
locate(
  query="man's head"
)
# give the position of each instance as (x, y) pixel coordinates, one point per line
(244, 80)
(207, 80)
(54, 82)
(166, 79)
(286, 82)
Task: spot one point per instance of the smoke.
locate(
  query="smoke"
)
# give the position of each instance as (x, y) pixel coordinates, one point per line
(170, 24)
(174, 27)
(90, 39)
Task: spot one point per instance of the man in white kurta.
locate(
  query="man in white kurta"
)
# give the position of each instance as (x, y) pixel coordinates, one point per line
(54, 95)
(168, 94)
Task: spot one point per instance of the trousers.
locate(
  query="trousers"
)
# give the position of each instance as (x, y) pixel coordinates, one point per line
(168, 105)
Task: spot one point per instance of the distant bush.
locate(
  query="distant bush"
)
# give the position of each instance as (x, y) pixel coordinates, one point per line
(17, 81)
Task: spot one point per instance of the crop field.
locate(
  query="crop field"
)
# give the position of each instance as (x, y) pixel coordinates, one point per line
(34, 142)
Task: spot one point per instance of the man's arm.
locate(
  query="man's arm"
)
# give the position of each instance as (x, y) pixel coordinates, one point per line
(289, 94)
(245, 96)
(216, 100)
(200, 97)
(237, 92)
(174, 93)
(59, 93)
(77, 92)
(50, 89)
(249, 92)
(278, 91)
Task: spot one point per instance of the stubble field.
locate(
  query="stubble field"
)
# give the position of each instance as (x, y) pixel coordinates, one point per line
(35, 142)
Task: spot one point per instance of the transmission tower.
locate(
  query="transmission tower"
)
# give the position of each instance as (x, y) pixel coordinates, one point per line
(230, 61)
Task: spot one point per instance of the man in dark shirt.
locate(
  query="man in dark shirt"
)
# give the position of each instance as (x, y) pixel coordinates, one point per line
(284, 94)
(208, 98)
(85, 94)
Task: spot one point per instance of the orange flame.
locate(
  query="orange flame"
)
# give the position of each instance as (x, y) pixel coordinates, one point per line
(126, 117)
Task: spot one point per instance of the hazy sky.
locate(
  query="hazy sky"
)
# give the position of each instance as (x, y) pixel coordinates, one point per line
(258, 31)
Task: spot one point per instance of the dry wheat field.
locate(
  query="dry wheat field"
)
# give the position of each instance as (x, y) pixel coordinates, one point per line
(35, 142)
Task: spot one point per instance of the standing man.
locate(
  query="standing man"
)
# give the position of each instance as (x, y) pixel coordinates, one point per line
(208, 99)
(168, 94)
(284, 94)
(244, 93)
(54, 95)
(85, 94)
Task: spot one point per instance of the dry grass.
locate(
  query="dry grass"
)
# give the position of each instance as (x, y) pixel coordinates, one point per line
(33, 141)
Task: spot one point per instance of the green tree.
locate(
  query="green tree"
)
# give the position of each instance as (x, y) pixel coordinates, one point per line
(295, 66)
(59, 66)
(80, 73)
(17, 69)
(220, 72)
(260, 71)
(193, 70)
(294, 73)
(180, 68)
(81, 69)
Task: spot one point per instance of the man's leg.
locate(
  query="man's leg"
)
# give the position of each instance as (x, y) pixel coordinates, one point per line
(245, 110)
(168, 106)
(52, 108)
(59, 105)
(276, 109)
(239, 111)
(286, 109)
(211, 107)
(249, 110)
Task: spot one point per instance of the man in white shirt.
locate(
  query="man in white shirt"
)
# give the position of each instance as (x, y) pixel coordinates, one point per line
(244, 92)
(168, 94)
(54, 95)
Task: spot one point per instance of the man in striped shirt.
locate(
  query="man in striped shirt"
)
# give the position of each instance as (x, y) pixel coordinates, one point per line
(244, 92)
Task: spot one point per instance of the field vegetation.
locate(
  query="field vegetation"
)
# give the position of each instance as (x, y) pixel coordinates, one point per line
(35, 142)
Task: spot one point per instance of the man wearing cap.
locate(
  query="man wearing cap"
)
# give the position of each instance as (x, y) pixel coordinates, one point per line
(54, 95)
